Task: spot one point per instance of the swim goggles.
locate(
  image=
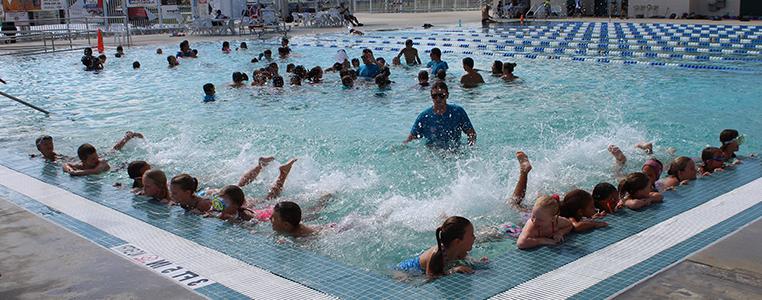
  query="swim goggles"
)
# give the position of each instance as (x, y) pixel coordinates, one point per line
(739, 140)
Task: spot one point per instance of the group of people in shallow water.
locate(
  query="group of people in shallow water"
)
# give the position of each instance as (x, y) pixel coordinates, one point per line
(546, 222)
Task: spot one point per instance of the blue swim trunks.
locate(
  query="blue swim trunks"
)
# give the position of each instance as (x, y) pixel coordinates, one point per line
(411, 265)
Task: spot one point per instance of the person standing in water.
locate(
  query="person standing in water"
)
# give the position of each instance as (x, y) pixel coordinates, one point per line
(442, 124)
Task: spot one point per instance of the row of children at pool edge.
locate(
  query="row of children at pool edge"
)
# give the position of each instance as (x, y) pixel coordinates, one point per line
(550, 219)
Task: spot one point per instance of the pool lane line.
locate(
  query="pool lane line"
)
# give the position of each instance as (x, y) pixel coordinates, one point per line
(677, 47)
(587, 38)
(548, 57)
(587, 271)
(159, 250)
(582, 49)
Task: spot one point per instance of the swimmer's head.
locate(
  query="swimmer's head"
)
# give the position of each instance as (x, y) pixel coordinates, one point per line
(182, 187)
(194, 53)
(225, 45)
(88, 51)
(172, 60)
(381, 61)
(468, 63)
(355, 63)
(456, 238)
(88, 156)
(268, 54)
(284, 42)
(290, 68)
(135, 170)
(336, 67)
(296, 80)
(44, 144)
(136, 65)
(286, 217)
(278, 81)
(439, 93)
(683, 168)
(731, 140)
(155, 184)
(315, 74)
(635, 185)
(441, 74)
(254, 60)
(653, 169)
(497, 67)
(119, 49)
(409, 43)
(423, 76)
(546, 210)
(245, 76)
(237, 77)
(233, 196)
(605, 196)
(382, 81)
(508, 68)
(244, 46)
(158, 51)
(435, 54)
(347, 81)
(301, 71)
(713, 158)
(367, 56)
(272, 68)
(577, 204)
(102, 58)
(209, 89)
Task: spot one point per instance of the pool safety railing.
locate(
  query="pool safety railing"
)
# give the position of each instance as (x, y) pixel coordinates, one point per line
(25, 103)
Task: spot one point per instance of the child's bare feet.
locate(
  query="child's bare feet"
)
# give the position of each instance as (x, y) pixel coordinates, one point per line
(647, 147)
(524, 165)
(264, 160)
(286, 168)
(618, 155)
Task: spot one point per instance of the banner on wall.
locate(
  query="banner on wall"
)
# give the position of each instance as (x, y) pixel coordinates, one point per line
(171, 12)
(53, 5)
(19, 18)
(21, 5)
(86, 8)
(141, 3)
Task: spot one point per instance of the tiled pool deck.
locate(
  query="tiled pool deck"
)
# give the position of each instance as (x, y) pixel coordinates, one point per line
(515, 271)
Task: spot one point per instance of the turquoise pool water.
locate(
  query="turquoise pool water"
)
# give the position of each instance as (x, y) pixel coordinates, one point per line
(563, 114)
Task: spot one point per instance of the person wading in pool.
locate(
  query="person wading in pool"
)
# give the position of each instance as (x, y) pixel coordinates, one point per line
(442, 123)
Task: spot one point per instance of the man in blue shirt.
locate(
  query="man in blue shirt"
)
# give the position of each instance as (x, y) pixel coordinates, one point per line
(442, 124)
(436, 62)
(369, 69)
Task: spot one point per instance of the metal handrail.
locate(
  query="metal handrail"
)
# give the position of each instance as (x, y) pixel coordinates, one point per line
(25, 103)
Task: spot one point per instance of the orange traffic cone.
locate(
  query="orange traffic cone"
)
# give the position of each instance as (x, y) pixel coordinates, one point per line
(522, 19)
(100, 42)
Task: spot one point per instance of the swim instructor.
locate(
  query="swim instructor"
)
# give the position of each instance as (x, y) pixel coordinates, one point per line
(442, 124)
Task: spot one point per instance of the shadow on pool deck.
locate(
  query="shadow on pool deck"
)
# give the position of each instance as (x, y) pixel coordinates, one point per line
(40, 260)
(730, 269)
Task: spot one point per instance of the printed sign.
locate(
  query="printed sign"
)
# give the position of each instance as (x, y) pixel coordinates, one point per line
(19, 18)
(162, 266)
(53, 5)
(171, 12)
(141, 3)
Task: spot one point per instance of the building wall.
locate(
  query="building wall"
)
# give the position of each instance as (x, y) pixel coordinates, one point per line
(679, 7)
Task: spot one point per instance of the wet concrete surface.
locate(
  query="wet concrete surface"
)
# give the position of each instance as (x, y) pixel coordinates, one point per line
(730, 269)
(40, 260)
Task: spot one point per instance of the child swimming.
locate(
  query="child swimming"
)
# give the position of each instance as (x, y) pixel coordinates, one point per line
(135, 171)
(455, 238)
(606, 198)
(636, 192)
(681, 171)
(136, 65)
(237, 80)
(423, 78)
(508, 72)
(155, 186)
(172, 61)
(209, 93)
(91, 163)
(544, 226)
(286, 219)
(225, 47)
(497, 68)
(347, 82)
(44, 144)
(731, 140)
(183, 189)
(579, 207)
(713, 159)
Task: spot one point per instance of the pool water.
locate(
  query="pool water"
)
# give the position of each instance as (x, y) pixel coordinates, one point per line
(388, 197)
